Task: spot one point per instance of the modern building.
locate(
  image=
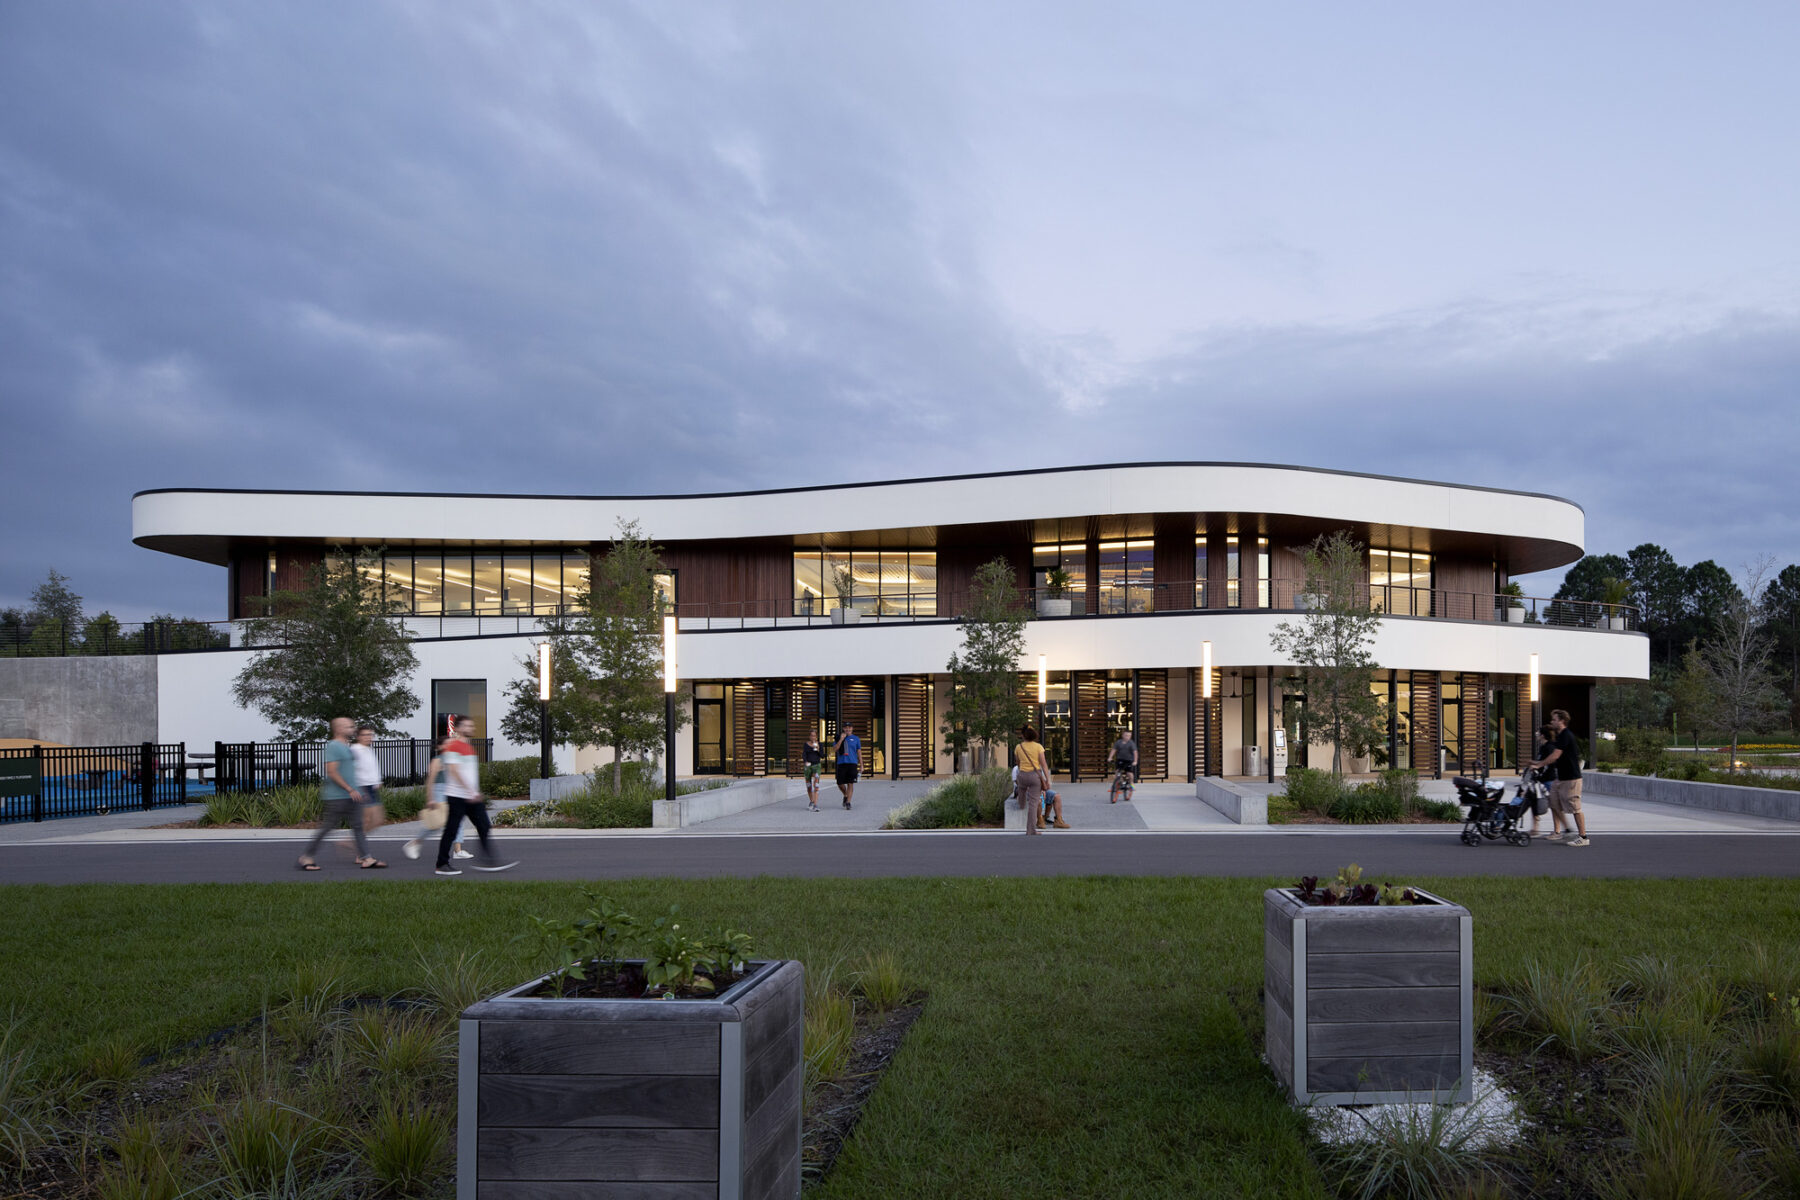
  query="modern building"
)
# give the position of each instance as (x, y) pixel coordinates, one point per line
(1160, 559)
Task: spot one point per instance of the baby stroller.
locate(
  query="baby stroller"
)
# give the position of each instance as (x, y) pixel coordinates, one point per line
(1492, 815)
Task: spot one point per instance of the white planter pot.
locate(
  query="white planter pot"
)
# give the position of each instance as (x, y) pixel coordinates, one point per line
(845, 616)
(1615, 622)
(1308, 602)
(1059, 607)
(1516, 616)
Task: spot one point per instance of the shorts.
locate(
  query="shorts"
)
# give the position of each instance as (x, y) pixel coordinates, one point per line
(1565, 796)
(812, 771)
(846, 773)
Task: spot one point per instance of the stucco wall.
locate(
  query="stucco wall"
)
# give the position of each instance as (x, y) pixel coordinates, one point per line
(79, 701)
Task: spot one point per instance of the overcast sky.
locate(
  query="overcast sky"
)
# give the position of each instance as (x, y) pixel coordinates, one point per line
(603, 248)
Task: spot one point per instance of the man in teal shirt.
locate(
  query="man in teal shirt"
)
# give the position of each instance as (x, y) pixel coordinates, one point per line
(341, 799)
(848, 752)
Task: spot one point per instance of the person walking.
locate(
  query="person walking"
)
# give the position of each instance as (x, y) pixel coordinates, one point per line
(462, 788)
(340, 797)
(1540, 803)
(432, 826)
(366, 775)
(848, 753)
(1565, 793)
(1034, 777)
(813, 756)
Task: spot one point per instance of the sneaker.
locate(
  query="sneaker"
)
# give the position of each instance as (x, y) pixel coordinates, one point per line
(812, 808)
(461, 854)
(1554, 837)
(1577, 840)
(447, 871)
(1061, 824)
(411, 849)
(499, 867)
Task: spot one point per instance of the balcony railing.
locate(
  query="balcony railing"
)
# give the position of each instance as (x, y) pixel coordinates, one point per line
(56, 640)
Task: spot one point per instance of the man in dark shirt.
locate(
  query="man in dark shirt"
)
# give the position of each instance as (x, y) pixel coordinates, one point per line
(1565, 793)
(847, 751)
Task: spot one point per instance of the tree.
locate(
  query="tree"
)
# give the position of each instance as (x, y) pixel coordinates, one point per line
(1709, 590)
(334, 652)
(55, 600)
(606, 660)
(1738, 660)
(520, 721)
(1690, 695)
(984, 692)
(1659, 590)
(1586, 580)
(1781, 615)
(1330, 644)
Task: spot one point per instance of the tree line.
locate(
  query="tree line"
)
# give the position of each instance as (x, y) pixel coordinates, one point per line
(56, 623)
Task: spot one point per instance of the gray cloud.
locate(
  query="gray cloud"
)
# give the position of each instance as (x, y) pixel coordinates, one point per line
(566, 248)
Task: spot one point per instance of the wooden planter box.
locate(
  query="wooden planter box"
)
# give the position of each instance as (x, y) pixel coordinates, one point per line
(1369, 1005)
(662, 1099)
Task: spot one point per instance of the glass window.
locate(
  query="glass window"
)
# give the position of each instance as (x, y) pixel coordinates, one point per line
(1127, 577)
(454, 698)
(1262, 572)
(574, 580)
(487, 583)
(428, 584)
(515, 584)
(459, 584)
(921, 582)
(1233, 575)
(665, 590)
(1068, 556)
(397, 582)
(809, 584)
(546, 583)
(838, 578)
(1400, 582)
(895, 597)
(1200, 572)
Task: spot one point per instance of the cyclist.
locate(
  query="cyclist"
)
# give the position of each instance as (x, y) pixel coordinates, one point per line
(1125, 759)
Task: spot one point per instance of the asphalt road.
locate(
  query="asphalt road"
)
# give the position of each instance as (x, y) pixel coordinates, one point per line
(576, 857)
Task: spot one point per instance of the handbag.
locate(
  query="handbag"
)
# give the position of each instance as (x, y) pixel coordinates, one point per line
(433, 815)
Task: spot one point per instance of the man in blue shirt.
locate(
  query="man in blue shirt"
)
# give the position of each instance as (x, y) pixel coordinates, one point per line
(848, 752)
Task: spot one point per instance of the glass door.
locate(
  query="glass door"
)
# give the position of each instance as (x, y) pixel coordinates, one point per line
(709, 728)
(1056, 731)
(1293, 719)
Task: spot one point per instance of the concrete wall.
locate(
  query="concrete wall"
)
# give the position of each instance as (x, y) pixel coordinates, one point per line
(1719, 797)
(80, 701)
(1240, 804)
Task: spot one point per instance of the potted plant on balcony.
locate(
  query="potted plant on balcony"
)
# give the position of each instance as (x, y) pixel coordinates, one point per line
(1056, 602)
(1514, 596)
(844, 584)
(675, 1073)
(1613, 594)
(1368, 992)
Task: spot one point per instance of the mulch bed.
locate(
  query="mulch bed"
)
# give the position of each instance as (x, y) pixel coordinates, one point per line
(837, 1105)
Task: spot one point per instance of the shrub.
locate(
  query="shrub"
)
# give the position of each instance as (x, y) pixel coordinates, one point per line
(508, 777)
(953, 804)
(1312, 790)
(1644, 750)
(993, 788)
(826, 1034)
(1403, 786)
(25, 1106)
(879, 980)
(1440, 810)
(403, 1144)
(1365, 804)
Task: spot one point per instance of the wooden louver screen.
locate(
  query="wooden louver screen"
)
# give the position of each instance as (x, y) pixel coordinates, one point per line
(913, 746)
(1093, 744)
(1153, 724)
(1206, 726)
(748, 729)
(1473, 733)
(856, 708)
(803, 718)
(1425, 733)
(1524, 735)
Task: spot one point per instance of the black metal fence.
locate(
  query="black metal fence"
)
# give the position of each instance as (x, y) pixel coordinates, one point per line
(249, 766)
(103, 636)
(41, 782)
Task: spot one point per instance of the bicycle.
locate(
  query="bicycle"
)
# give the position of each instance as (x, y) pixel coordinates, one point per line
(1122, 782)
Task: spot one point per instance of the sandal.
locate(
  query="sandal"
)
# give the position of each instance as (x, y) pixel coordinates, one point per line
(369, 864)
(308, 865)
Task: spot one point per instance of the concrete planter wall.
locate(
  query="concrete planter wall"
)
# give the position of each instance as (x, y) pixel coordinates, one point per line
(606, 1099)
(1059, 606)
(1368, 1005)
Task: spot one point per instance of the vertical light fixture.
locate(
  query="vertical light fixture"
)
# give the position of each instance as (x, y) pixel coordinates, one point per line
(544, 709)
(669, 672)
(1043, 679)
(1534, 678)
(1206, 698)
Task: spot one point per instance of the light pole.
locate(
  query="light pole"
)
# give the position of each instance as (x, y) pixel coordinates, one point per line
(669, 672)
(1536, 717)
(544, 709)
(1206, 699)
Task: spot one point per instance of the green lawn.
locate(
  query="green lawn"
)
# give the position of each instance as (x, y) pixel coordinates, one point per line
(1084, 1037)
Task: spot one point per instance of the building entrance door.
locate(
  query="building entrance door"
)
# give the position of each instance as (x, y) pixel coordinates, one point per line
(709, 729)
(1056, 728)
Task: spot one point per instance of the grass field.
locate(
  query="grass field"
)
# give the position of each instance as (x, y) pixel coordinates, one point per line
(1084, 1037)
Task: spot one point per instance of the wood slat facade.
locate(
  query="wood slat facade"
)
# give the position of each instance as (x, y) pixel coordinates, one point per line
(1426, 734)
(749, 728)
(803, 717)
(1472, 731)
(915, 750)
(1089, 737)
(1151, 719)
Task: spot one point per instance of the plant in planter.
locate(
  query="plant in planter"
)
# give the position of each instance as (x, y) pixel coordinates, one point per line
(1613, 594)
(653, 1059)
(1368, 992)
(1514, 595)
(844, 584)
(1056, 601)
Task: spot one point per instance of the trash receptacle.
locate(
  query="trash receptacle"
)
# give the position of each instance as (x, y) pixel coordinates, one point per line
(1253, 760)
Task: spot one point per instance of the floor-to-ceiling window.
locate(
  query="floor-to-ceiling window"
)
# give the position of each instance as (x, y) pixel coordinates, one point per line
(435, 582)
(1127, 576)
(1200, 571)
(1070, 557)
(1262, 572)
(1400, 582)
(899, 582)
(1234, 577)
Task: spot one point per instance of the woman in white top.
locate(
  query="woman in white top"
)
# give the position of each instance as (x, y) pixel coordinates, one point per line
(434, 794)
(365, 768)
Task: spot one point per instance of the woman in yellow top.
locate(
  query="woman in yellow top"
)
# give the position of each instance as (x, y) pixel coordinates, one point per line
(1034, 777)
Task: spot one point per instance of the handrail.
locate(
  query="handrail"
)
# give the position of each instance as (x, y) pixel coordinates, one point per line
(111, 638)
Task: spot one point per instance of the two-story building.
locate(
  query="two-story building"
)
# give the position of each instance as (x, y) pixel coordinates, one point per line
(1160, 558)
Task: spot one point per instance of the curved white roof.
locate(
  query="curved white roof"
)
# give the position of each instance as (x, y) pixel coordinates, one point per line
(1531, 531)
